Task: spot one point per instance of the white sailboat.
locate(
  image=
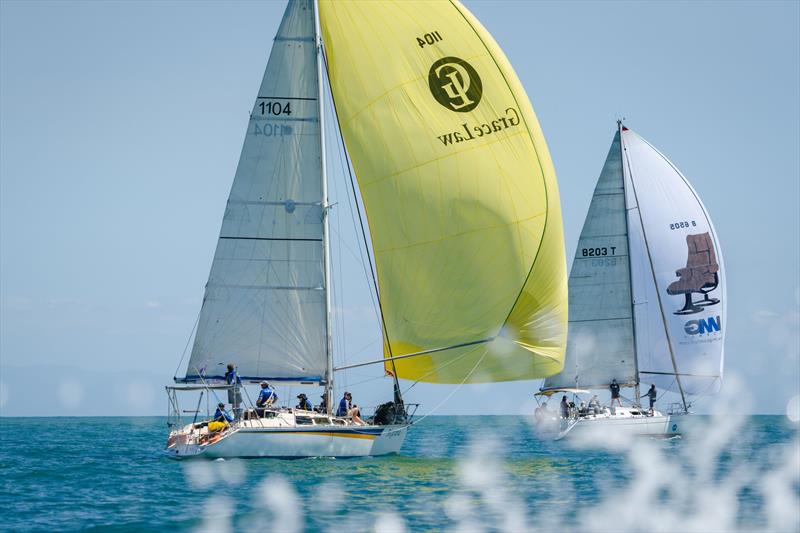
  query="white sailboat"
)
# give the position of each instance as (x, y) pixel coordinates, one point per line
(463, 212)
(646, 295)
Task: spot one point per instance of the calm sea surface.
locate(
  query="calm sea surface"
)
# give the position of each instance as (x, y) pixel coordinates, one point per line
(465, 473)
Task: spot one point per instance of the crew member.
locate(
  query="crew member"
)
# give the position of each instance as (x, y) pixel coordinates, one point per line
(652, 395)
(303, 403)
(615, 392)
(221, 415)
(235, 392)
(564, 407)
(266, 397)
(323, 405)
(594, 404)
(345, 404)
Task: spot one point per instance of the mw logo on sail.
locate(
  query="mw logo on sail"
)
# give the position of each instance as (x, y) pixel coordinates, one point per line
(703, 325)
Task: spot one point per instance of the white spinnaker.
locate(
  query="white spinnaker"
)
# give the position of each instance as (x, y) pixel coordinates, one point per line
(672, 218)
(600, 345)
(264, 307)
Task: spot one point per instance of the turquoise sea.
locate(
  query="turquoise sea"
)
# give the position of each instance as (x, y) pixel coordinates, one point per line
(488, 473)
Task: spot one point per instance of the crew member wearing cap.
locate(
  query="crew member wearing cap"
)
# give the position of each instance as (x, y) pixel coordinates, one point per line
(344, 404)
(267, 396)
(221, 415)
(346, 408)
(304, 404)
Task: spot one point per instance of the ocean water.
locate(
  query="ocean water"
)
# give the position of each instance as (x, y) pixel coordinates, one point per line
(488, 473)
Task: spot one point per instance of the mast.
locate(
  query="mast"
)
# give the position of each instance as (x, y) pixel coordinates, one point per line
(400, 410)
(630, 268)
(658, 295)
(325, 207)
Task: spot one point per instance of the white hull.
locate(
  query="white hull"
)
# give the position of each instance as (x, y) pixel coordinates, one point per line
(621, 424)
(280, 438)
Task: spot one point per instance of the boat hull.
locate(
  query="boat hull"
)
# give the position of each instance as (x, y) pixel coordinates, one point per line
(298, 442)
(591, 428)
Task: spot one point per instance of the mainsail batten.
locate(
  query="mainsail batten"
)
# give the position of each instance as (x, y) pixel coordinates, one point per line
(458, 189)
(265, 303)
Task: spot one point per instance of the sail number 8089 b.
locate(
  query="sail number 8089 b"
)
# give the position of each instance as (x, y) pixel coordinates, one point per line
(684, 224)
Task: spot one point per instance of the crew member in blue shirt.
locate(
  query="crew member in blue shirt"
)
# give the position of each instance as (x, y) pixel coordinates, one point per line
(346, 408)
(304, 404)
(267, 396)
(220, 415)
(344, 404)
(235, 393)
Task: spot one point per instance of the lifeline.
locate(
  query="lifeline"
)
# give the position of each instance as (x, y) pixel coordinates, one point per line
(510, 119)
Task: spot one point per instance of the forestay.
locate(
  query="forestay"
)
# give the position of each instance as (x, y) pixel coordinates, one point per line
(600, 346)
(459, 191)
(264, 307)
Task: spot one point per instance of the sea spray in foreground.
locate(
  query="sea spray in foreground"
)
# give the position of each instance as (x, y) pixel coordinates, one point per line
(77, 474)
(697, 483)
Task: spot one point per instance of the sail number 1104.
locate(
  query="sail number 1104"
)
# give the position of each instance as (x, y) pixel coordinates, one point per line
(275, 108)
(429, 39)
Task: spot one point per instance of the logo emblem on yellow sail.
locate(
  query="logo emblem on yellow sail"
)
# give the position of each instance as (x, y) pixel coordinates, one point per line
(455, 84)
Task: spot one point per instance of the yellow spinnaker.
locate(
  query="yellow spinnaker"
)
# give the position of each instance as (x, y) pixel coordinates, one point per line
(458, 187)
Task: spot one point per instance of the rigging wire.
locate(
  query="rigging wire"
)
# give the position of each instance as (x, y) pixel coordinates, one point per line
(334, 133)
(361, 222)
(344, 164)
(185, 348)
(452, 392)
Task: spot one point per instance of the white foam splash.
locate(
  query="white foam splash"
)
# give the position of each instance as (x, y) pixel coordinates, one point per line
(389, 522)
(203, 475)
(217, 515)
(3, 394)
(70, 394)
(793, 408)
(694, 485)
(330, 497)
(283, 504)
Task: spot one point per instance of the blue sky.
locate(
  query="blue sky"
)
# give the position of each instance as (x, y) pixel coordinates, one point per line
(121, 125)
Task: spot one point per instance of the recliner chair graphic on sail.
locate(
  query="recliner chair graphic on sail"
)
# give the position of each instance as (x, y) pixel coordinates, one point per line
(700, 274)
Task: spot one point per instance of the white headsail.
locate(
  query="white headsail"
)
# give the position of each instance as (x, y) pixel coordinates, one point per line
(672, 284)
(678, 278)
(265, 303)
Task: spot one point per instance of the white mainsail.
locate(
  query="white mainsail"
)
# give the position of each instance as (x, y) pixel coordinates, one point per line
(673, 284)
(600, 342)
(265, 302)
